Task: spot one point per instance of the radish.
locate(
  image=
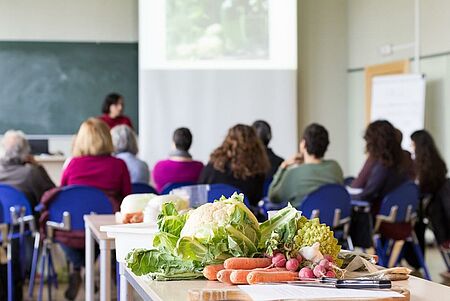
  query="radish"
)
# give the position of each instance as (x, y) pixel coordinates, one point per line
(329, 258)
(325, 263)
(319, 271)
(306, 273)
(279, 260)
(330, 274)
(299, 258)
(292, 265)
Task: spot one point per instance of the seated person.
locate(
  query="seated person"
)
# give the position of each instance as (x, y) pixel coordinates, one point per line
(264, 133)
(19, 169)
(241, 161)
(93, 165)
(112, 109)
(179, 167)
(307, 170)
(388, 170)
(126, 148)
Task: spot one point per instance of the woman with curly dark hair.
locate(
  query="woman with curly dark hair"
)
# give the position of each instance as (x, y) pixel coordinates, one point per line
(240, 161)
(388, 170)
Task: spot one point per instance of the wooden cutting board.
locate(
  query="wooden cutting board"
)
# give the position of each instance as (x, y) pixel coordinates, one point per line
(238, 295)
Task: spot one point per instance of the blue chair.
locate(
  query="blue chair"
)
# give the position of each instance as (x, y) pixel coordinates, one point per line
(142, 188)
(171, 186)
(330, 203)
(66, 213)
(398, 208)
(216, 191)
(15, 212)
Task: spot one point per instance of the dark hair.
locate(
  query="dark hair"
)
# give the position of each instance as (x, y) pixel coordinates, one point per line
(110, 99)
(263, 131)
(242, 152)
(382, 143)
(182, 138)
(430, 167)
(316, 140)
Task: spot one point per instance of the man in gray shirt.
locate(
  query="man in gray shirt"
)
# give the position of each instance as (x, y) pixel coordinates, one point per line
(19, 169)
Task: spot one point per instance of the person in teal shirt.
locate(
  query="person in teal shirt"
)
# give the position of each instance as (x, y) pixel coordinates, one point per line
(307, 170)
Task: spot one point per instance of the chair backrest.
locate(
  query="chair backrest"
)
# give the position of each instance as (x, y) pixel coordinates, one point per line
(171, 186)
(326, 199)
(266, 187)
(78, 201)
(11, 197)
(142, 188)
(405, 197)
(216, 191)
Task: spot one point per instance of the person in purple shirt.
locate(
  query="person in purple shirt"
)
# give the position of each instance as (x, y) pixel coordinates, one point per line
(179, 167)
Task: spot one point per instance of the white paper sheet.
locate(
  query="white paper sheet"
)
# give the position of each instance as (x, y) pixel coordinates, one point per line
(285, 291)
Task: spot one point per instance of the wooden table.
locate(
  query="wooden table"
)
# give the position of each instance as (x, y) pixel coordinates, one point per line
(420, 289)
(106, 244)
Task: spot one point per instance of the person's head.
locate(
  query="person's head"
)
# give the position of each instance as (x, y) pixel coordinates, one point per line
(430, 167)
(182, 139)
(124, 139)
(382, 143)
(242, 152)
(14, 147)
(113, 105)
(314, 141)
(93, 139)
(263, 131)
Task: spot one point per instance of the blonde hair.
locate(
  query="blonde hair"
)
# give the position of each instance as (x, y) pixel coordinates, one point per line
(93, 139)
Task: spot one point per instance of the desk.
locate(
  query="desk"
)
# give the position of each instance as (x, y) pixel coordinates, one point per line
(92, 226)
(420, 289)
(53, 165)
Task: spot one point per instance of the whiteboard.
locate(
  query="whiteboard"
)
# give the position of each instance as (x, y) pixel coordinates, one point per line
(400, 99)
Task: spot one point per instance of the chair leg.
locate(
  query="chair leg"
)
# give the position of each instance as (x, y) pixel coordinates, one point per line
(446, 256)
(34, 263)
(42, 280)
(10, 273)
(350, 243)
(396, 253)
(419, 255)
(49, 275)
(379, 249)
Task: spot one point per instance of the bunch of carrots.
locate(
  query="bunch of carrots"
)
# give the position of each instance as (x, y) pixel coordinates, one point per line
(248, 271)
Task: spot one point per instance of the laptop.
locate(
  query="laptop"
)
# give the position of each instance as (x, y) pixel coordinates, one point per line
(38, 146)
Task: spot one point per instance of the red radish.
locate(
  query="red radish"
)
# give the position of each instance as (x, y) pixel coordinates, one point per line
(279, 260)
(325, 263)
(329, 258)
(306, 273)
(292, 265)
(330, 274)
(319, 271)
(299, 258)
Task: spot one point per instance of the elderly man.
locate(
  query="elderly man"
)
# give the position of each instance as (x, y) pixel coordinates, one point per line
(18, 168)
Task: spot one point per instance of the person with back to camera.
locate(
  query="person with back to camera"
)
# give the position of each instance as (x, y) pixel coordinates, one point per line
(19, 170)
(179, 167)
(126, 148)
(112, 109)
(92, 165)
(264, 133)
(307, 170)
(240, 161)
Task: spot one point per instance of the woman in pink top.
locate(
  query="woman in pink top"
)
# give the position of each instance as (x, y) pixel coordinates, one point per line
(179, 167)
(93, 165)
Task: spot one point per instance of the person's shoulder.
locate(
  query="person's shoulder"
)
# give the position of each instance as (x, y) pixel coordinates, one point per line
(331, 163)
(161, 163)
(198, 164)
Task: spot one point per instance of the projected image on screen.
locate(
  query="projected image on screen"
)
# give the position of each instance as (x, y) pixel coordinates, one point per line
(217, 29)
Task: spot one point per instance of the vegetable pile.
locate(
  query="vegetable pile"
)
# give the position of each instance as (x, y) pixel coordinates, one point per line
(223, 241)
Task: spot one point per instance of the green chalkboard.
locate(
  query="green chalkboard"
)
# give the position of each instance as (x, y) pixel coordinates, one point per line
(51, 87)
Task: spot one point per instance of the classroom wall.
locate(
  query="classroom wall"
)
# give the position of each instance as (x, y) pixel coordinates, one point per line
(373, 23)
(322, 77)
(68, 20)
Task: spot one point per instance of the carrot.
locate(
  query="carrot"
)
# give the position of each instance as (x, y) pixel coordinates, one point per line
(224, 276)
(210, 271)
(240, 276)
(259, 277)
(242, 263)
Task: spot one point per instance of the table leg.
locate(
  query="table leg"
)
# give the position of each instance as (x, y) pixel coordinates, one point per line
(105, 270)
(89, 270)
(125, 287)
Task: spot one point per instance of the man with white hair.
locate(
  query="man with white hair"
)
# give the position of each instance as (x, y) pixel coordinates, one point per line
(19, 169)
